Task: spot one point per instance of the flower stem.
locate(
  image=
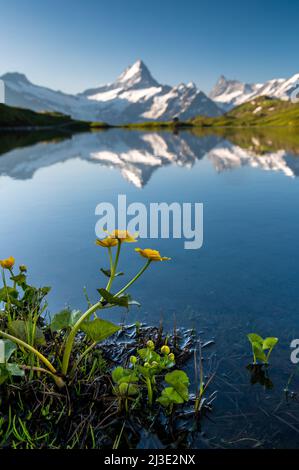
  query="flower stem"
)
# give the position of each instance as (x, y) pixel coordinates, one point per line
(71, 338)
(58, 380)
(7, 294)
(113, 266)
(134, 278)
(31, 349)
(149, 391)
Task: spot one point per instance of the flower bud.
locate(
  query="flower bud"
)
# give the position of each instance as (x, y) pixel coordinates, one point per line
(147, 365)
(165, 349)
(154, 364)
(150, 344)
(23, 268)
(171, 357)
(133, 359)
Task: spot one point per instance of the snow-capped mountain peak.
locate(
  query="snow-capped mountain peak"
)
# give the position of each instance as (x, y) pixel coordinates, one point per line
(135, 96)
(15, 77)
(137, 75)
(230, 93)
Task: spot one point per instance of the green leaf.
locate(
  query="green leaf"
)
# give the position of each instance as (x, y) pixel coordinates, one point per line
(127, 389)
(20, 279)
(117, 374)
(65, 319)
(8, 292)
(45, 290)
(258, 352)
(4, 374)
(121, 375)
(122, 301)
(179, 380)
(170, 396)
(14, 369)
(107, 273)
(98, 329)
(148, 355)
(269, 343)
(24, 329)
(9, 348)
(177, 376)
(254, 338)
(8, 369)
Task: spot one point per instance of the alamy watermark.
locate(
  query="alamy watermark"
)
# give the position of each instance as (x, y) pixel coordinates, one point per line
(155, 220)
(295, 353)
(2, 91)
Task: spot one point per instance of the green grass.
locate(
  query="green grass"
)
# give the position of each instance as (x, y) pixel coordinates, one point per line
(261, 112)
(157, 125)
(261, 140)
(12, 117)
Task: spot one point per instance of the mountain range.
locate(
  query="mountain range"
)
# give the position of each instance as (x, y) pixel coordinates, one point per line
(135, 96)
(231, 93)
(138, 155)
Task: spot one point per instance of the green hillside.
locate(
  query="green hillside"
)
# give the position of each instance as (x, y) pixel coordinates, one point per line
(11, 117)
(262, 111)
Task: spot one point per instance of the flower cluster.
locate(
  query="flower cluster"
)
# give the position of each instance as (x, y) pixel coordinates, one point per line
(123, 236)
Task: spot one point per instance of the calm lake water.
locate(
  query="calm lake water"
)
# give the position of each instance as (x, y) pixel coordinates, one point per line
(244, 278)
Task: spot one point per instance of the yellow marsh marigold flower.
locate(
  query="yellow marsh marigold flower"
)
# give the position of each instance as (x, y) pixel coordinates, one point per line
(7, 263)
(123, 236)
(153, 255)
(107, 242)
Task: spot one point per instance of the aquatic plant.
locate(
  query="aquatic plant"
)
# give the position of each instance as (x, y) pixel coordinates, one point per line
(178, 391)
(148, 371)
(201, 384)
(261, 348)
(23, 307)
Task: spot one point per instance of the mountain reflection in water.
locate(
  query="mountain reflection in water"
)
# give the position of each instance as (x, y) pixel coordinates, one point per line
(138, 154)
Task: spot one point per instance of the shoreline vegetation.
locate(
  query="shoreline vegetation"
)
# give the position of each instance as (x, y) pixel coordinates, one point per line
(80, 381)
(263, 112)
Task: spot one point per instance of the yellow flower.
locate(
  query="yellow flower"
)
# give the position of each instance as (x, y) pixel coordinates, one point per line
(123, 236)
(7, 263)
(106, 242)
(153, 255)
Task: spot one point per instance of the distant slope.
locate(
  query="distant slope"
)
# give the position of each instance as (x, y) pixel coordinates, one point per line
(262, 111)
(12, 117)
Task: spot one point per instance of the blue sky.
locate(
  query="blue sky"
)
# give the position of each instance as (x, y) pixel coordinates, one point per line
(73, 45)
